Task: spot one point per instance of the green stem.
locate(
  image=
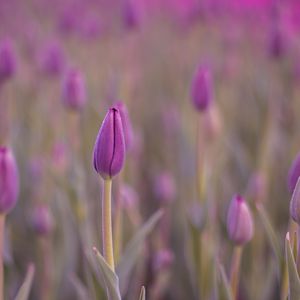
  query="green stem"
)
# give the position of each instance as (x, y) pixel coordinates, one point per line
(235, 270)
(107, 225)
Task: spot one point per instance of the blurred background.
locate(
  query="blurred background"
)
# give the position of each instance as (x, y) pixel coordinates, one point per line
(145, 53)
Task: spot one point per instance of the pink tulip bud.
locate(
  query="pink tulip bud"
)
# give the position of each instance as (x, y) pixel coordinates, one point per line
(164, 187)
(73, 90)
(239, 221)
(109, 149)
(201, 90)
(9, 181)
(7, 60)
(42, 220)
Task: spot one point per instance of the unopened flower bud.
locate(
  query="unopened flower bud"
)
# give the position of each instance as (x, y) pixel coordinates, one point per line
(9, 181)
(294, 173)
(295, 203)
(7, 60)
(202, 89)
(164, 187)
(52, 59)
(239, 221)
(73, 90)
(109, 149)
(163, 259)
(126, 123)
(42, 220)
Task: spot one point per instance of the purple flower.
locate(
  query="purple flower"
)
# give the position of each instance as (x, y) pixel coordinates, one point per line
(277, 43)
(52, 60)
(109, 149)
(163, 259)
(130, 15)
(42, 220)
(239, 221)
(295, 203)
(294, 173)
(126, 123)
(73, 90)
(9, 180)
(7, 60)
(201, 90)
(164, 187)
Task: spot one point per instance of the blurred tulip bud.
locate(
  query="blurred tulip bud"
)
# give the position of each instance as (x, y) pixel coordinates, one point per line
(35, 169)
(277, 44)
(109, 149)
(60, 157)
(163, 260)
(257, 187)
(164, 187)
(129, 196)
(8, 62)
(239, 221)
(52, 60)
(9, 181)
(197, 215)
(73, 90)
(295, 203)
(130, 15)
(126, 123)
(42, 220)
(202, 88)
(294, 173)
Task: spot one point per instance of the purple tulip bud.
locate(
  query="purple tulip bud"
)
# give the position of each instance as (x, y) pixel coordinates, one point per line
(7, 60)
(129, 197)
(52, 60)
(239, 221)
(294, 173)
(295, 203)
(163, 259)
(109, 149)
(164, 187)
(9, 181)
(73, 90)
(42, 220)
(277, 44)
(201, 90)
(126, 123)
(130, 15)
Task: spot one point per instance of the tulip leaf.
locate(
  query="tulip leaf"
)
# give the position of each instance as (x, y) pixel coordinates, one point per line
(294, 281)
(133, 249)
(24, 291)
(143, 294)
(223, 285)
(111, 280)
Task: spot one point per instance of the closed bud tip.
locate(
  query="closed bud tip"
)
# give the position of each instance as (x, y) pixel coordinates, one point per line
(109, 149)
(239, 221)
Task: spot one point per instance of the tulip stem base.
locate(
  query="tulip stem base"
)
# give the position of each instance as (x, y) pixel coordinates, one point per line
(235, 270)
(107, 239)
(2, 225)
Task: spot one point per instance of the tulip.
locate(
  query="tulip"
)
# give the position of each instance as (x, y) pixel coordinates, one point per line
(240, 231)
(126, 123)
(239, 221)
(9, 190)
(9, 181)
(294, 173)
(73, 90)
(109, 149)
(202, 90)
(7, 60)
(164, 187)
(109, 155)
(42, 220)
(52, 60)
